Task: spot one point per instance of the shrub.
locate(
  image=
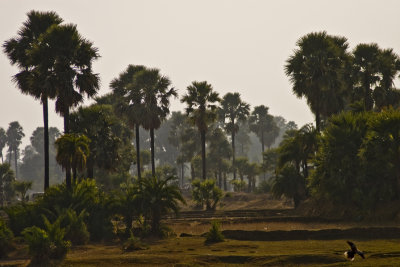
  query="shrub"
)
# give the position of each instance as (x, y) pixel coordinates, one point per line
(23, 215)
(133, 243)
(6, 238)
(214, 235)
(48, 243)
(39, 244)
(263, 187)
(206, 193)
(76, 230)
(238, 185)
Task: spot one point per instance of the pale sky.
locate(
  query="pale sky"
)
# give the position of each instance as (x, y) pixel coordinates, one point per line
(237, 46)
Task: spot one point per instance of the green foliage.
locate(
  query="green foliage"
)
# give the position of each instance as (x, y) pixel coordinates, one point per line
(263, 187)
(23, 215)
(22, 187)
(238, 185)
(6, 239)
(159, 197)
(133, 243)
(48, 243)
(7, 177)
(214, 235)
(206, 193)
(75, 227)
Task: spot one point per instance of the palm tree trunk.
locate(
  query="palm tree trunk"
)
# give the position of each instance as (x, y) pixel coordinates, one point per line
(262, 141)
(68, 166)
(15, 161)
(46, 143)
(233, 154)
(74, 175)
(182, 173)
(138, 152)
(203, 152)
(153, 165)
(225, 182)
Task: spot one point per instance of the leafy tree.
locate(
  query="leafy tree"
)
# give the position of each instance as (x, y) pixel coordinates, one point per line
(72, 151)
(178, 121)
(219, 152)
(243, 139)
(30, 80)
(338, 172)
(380, 157)
(206, 193)
(6, 179)
(3, 142)
(270, 160)
(22, 188)
(233, 110)
(295, 153)
(128, 103)
(33, 159)
(251, 171)
(109, 138)
(201, 106)
(65, 58)
(155, 92)
(316, 70)
(14, 139)
(262, 123)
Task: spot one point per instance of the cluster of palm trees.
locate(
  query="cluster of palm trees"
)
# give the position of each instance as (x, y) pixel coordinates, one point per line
(13, 139)
(54, 62)
(332, 79)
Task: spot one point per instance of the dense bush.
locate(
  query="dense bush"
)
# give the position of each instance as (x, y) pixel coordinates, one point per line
(214, 235)
(6, 239)
(24, 215)
(206, 193)
(75, 227)
(239, 185)
(48, 243)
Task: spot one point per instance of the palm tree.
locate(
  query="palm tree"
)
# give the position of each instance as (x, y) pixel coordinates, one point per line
(65, 58)
(72, 152)
(159, 197)
(29, 80)
(3, 142)
(233, 109)
(128, 103)
(316, 70)
(155, 93)
(366, 71)
(14, 139)
(261, 123)
(201, 106)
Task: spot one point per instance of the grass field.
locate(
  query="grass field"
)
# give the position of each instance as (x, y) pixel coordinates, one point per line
(191, 250)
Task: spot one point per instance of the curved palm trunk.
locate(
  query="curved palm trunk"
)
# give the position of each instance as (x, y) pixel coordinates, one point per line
(68, 166)
(203, 152)
(182, 174)
(138, 152)
(153, 165)
(46, 144)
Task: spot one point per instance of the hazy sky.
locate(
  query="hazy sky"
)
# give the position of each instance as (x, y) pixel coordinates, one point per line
(237, 46)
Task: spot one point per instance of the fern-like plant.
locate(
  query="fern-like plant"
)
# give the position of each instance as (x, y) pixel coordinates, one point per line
(214, 235)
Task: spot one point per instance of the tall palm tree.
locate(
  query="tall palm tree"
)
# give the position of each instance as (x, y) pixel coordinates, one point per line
(316, 70)
(14, 139)
(3, 142)
(155, 93)
(65, 58)
(128, 104)
(201, 109)
(29, 80)
(366, 71)
(72, 152)
(232, 110)
(260, 122)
